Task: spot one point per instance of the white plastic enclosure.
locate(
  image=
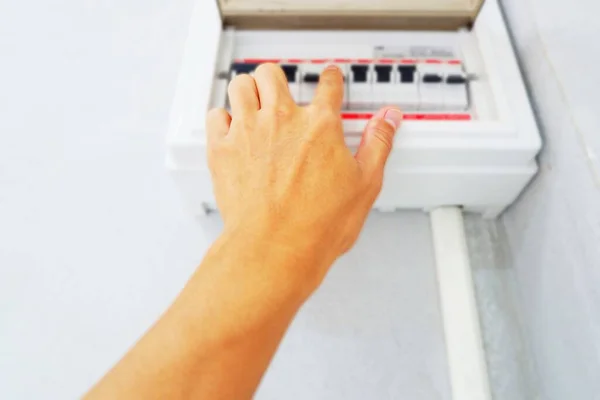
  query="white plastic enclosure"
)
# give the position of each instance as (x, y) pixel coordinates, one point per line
(479, 157)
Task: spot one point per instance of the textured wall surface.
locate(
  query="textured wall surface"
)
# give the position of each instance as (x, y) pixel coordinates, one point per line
(554, 230)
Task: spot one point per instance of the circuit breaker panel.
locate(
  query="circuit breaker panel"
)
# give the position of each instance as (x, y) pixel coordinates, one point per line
(429, 80)
(468, 139)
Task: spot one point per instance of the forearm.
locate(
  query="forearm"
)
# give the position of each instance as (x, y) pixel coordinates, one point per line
(219, 336)
(308, 193)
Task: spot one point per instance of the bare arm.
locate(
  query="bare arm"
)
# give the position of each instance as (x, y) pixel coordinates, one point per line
(293, 199)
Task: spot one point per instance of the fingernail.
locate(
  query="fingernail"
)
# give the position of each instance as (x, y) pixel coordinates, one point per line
(393, 117)
(332, 67)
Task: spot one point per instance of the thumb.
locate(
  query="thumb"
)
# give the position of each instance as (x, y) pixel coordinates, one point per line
(378, 139)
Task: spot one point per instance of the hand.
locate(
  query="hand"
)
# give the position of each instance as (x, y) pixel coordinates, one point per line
(283, 173)
(293, 199)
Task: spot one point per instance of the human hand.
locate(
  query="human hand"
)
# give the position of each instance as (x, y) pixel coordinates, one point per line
(293, 198)
(283, 173)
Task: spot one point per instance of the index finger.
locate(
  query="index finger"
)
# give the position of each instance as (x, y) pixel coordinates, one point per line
(330, 90)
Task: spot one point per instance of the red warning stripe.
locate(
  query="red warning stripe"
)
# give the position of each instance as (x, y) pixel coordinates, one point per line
(437, 117)
(414, 117)
(261, 60)
(354, 116)
(346, 60)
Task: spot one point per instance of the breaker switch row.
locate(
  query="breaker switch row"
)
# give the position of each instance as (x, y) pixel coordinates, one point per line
(291, 73)
(416, 86)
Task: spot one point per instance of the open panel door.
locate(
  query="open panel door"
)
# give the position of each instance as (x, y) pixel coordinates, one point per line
(349, 14)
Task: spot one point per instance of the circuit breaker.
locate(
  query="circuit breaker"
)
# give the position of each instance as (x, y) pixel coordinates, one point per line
(468, 138)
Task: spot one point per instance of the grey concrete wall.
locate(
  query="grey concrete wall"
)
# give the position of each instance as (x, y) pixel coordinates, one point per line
(554, 229)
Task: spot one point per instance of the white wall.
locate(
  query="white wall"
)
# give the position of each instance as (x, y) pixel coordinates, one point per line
(94, 244)
(554, 230)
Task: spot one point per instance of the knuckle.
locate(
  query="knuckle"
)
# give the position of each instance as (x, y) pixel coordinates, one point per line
(245, 125)
(284, 111)
(325, 111)
(383, 132)
(326, 116)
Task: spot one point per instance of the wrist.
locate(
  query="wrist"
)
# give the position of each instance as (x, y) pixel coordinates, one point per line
(291, 262)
